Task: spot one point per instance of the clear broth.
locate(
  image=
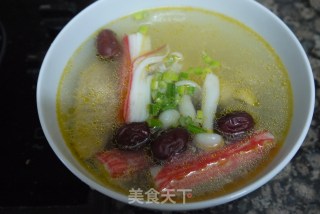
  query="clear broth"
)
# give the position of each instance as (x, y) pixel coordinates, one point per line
(87, 100)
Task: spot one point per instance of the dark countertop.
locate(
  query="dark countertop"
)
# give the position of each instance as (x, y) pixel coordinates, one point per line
(294, 190)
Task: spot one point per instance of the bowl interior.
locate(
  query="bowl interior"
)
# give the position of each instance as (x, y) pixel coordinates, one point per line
(248, 12)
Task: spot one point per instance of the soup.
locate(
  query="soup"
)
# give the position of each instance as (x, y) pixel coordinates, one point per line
(175, 99)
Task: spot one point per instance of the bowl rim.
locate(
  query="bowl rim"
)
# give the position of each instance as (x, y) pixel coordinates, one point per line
(190, 205)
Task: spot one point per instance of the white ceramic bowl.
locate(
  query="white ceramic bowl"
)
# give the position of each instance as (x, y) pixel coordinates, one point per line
(249, 12)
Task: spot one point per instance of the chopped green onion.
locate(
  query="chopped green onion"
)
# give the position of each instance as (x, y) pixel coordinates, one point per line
(215, 64)
(181, 89)
(199, 115)
(160, 97)
(143, 29)
(170, 76)
(209, 61)
(162, 85)
(171, 90)
(198, 71)
(195, 70)
(190, 90)
(154, 84)
(171, 59)
(157, 76)
(154, 94)
(207, 70)
(185, 121)
(195, 129)
(154, 123)
(183, 75)
(140, 15)
(168, 106)
(190, 125)
(186, 89)
(154, 109)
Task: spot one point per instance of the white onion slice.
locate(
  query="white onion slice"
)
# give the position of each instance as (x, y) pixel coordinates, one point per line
(138, 45)
(186, 107)
(208, 141)
(140, 94)
(169, 118)
(210, 99)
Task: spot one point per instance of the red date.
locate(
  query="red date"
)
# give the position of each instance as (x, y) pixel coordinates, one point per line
(235, 125)
(132, 136)
(170, 143)
(108, 46)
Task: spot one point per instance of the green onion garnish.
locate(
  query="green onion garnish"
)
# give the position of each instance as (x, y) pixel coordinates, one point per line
(171, 59)
(154, 123)
(171, 90)
(140, 15)
(181, 89)
(190, 90)
(185, 121)
(170, 76)
(196, 70)
(183, 75)
(154, 109)
(143, 29)
(154, 84)
(209, 61)
(199, 115)
(190, 125)
(195, 129)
